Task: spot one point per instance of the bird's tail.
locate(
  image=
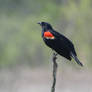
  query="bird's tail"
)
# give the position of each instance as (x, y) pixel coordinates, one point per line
(76, 59)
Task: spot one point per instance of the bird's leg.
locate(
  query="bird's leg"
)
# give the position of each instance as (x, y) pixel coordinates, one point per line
(54, 71)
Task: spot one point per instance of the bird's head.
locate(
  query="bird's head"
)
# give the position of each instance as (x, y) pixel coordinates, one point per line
(45, 25)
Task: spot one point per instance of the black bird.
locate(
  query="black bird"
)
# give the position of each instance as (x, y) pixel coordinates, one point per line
(58, 42)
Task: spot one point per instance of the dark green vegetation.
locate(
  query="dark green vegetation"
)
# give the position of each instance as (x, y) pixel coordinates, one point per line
(20, 35)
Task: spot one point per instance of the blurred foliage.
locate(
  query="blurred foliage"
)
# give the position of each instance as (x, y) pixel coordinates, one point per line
(20, 36)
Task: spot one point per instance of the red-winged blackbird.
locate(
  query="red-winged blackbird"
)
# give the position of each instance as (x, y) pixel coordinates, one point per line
(58, 42)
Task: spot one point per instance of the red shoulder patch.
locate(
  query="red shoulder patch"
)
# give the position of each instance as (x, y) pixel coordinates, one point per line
(48, 34)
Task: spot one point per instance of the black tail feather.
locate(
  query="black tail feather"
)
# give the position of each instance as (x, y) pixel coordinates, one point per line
(76, 59)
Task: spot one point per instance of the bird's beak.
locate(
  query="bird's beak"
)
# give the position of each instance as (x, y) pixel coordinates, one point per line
(39, 23)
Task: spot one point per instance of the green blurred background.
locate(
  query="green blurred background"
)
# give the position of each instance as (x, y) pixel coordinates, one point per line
(21, 44)
(20, 36)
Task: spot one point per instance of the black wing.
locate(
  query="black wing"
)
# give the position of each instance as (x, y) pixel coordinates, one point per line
(66, 42)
